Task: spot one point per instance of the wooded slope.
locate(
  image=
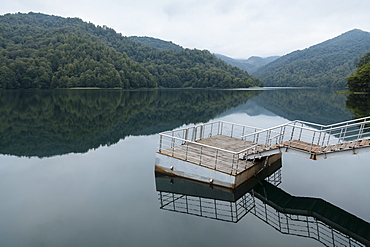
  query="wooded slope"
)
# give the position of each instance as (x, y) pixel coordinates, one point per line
(326, 64)
(43, 51)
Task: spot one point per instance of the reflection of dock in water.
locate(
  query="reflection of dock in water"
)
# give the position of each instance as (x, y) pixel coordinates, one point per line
(228, 154)
(309, 217)
(300, 216)
(215, 202)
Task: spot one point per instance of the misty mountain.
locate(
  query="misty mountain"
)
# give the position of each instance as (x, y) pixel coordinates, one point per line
(250, 65)
(326, 64)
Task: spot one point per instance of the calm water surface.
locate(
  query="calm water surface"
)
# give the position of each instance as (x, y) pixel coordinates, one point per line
(77, 167)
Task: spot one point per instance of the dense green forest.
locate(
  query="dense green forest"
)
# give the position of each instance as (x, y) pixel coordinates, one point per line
(43, 51)
(326, 64)
(54, 122)
(360, 80)
(157, 43)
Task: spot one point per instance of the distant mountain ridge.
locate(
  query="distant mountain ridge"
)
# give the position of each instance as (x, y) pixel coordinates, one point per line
(326, 64)
(251, 64)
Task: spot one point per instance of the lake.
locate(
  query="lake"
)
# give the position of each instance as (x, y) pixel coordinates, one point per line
(77, 166)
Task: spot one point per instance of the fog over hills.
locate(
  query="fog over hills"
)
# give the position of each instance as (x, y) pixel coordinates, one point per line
(251, 64)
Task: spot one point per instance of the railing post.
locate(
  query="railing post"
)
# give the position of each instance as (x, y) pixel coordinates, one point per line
(194, 134)
(173, 145)
(186, 134)
(187, 150)
(292, 135)
(216, 159)
(318, 140)
(232, 130)
(323, 139)
(313, 140)
(232, 165)
(300, 133)
(282, 134)
(345, 132)
(254, 136)
(361, 131)
(327, 143)
(268, 135)
(201, 153)
(235, 157)
(160, 142)
(201, 131)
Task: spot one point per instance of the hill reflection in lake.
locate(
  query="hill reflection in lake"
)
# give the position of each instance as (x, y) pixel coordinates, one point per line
(48, 123)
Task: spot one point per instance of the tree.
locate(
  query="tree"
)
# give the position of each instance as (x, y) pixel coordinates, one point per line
(7, 78)
(360, 80)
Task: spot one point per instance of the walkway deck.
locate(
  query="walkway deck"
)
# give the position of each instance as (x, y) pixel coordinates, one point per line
(315, 151)
(206, 155)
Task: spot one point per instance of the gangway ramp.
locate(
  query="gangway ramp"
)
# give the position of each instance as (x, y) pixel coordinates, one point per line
(312, 140)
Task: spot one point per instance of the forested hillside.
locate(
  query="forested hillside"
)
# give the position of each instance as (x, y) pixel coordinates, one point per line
(326, 64)
(360, 80)
(157, 43)
(43, 51)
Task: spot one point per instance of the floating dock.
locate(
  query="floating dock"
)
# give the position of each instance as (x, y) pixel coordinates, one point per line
(228, 154)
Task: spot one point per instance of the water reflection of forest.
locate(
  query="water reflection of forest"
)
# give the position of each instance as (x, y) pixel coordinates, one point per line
(316, 105)
(359, 104)
(47, 123)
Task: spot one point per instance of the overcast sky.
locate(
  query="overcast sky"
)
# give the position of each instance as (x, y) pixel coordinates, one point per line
(235, 28)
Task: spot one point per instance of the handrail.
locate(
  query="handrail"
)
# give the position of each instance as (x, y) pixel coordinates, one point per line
(211, 123)
(265, 130)
(334, 124)
(200, 144)
(305, 128)
(241, 125)
(260, 140)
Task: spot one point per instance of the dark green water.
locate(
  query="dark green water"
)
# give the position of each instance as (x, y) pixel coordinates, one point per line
(77, 166)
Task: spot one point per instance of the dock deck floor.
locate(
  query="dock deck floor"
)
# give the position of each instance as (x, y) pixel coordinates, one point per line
(209, 154)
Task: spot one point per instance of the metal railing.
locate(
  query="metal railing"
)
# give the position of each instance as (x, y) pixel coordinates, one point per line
(182, 143)
(315, 137)
(230, 211)
(210, 129)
